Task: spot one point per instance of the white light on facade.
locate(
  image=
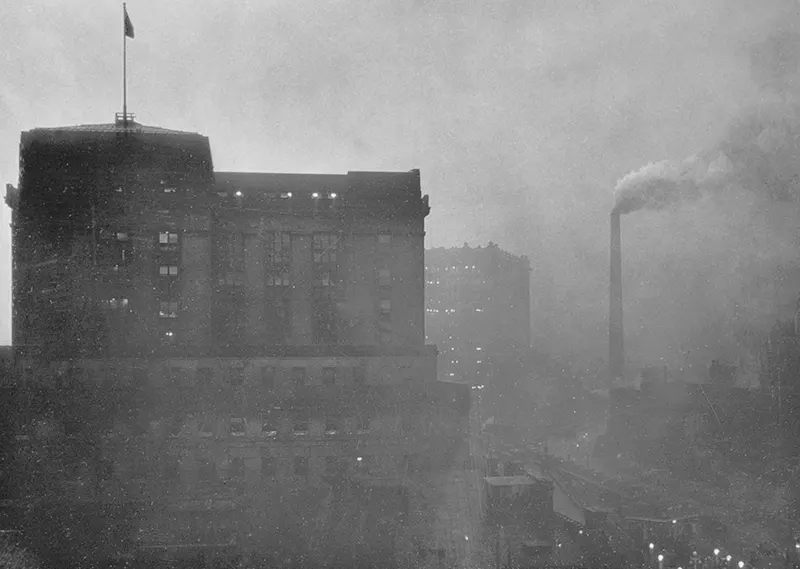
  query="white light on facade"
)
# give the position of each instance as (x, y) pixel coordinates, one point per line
(333, 196)
(238, 193)
(315, 195)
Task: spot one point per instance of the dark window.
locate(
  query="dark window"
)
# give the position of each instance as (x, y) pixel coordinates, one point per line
(384, 239)
(384, 277)
(335, 465)
(206, 470)
(269, 427)
(207, 428)
(362, 424)
(268, 376)
(237, 427)
(326, 248)
(331, 427)
(279, 259)
(359, 376)
(236, 376)
(301, 466)
(204, 376)
(300, 426)
(230, 259)
(329, 376)
(267, 467)
(171, 468)
(236, 468)
(298, 375)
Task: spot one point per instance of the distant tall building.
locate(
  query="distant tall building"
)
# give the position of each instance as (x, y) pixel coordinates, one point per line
(477, 310)
(241, 356)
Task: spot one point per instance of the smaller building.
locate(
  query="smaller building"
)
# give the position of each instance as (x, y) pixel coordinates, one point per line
(477, 312)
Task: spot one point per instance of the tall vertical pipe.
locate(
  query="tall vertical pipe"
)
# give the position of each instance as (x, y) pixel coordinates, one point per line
(616, 348)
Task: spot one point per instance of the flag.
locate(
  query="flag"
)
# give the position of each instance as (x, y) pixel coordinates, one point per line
(128, 24)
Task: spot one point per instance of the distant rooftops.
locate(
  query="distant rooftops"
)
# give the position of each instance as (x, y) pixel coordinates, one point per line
(469, 255)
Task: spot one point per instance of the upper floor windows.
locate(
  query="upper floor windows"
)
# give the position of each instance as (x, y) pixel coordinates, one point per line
(384, 239)
(230, 259)
(167, 239)
(326, 247)
(168, 270)
(279, 259)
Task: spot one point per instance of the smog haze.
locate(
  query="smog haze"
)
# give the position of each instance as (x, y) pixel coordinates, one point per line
(521, 116)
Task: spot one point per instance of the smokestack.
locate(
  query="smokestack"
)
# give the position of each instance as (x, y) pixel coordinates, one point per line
(616, 351)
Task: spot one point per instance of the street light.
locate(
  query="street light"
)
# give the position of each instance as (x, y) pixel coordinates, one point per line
(741, 564)
(728, 558)
(652, 547)
(716, 552)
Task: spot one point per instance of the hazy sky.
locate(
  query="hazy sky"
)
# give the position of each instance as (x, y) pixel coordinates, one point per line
(521, 115)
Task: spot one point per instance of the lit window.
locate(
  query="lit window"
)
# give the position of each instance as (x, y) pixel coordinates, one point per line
(168, 270)
(167, 238)
(237, 427)
(116, 303)
(365, 464)
(386, 306)
(384, 277)
(170, 190)
(315, 195)
(168, 310)
(122, 236)
(286, 195)
(385, 239)
(332, 195)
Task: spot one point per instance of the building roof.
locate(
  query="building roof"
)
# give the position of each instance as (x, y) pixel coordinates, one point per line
(112, 128)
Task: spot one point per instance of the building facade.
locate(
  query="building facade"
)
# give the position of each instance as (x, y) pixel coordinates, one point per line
(225, 364)
(477, 306)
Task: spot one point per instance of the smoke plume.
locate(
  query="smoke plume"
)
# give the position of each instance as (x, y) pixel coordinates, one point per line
(714, 263)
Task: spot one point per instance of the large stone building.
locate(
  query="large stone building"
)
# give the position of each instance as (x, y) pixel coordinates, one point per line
(224, 364)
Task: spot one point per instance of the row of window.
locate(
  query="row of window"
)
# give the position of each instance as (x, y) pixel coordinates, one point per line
(274, 426)
(267, 376)
(300, 466)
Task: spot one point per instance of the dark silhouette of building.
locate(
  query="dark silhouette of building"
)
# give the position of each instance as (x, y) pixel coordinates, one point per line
(223, 364)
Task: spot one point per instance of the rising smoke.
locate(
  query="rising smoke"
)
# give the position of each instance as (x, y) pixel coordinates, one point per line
(715, 247)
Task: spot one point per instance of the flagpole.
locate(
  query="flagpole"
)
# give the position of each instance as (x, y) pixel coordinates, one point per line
(124, 69)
